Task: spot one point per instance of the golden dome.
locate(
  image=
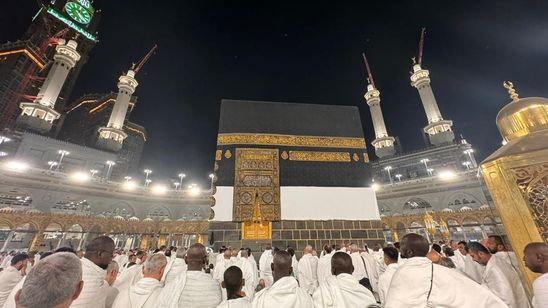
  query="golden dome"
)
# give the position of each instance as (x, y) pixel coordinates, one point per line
(522, 116)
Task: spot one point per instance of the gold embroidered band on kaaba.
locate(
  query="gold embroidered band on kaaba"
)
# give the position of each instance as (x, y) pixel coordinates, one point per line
(319, 156)
(291, 140)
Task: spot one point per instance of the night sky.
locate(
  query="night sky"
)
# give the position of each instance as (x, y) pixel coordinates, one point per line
(310, 52)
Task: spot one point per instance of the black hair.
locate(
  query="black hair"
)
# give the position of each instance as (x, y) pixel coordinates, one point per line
(391, 253)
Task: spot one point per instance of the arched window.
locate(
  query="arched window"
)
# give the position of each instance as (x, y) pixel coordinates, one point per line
(415, 204)
(158, 213)
(76, 207)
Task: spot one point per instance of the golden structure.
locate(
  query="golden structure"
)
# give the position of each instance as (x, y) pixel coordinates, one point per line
(430, 225)
(257, 172)
(319, 156)
(257, 229)
(400, 224)
(92, 226)
(517, 173)
(291, 140)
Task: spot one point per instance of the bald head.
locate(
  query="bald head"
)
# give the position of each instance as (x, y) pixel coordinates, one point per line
(281, 265)
(535, 256)
(414, 245)
(196, 257)
(243, 253)
(308, 249)
(341, 263)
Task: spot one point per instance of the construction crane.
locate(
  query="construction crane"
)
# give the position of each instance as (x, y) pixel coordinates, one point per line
(421, 44)
(369, 74)
(137, 68)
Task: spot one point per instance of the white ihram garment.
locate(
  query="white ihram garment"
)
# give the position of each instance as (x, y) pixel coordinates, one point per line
(449, 288)
(473, 269)
(342, 291)
(324, 267)
(94, 292)
(284, 293)
(385, 279)
(248, 274)
(265, 271)
(144, 294)
(128, 278)
(540, 291)
(176, 267)
(194, 289)
(504, 283)
(10, 301)
(308, 269)
(372, 271)
(9, 278)
(242, 302)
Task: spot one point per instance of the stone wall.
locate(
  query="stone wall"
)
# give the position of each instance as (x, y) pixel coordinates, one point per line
(299, 233)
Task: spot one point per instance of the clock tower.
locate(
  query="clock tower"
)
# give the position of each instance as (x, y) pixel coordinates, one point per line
(75, 20)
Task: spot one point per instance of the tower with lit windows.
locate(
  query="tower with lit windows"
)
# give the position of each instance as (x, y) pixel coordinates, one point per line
(384, 144)
(438, 130)
(112, 136)
(40, 114)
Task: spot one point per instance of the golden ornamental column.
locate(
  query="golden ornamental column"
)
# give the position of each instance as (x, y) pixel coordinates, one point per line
(36, 239)
(517, 173)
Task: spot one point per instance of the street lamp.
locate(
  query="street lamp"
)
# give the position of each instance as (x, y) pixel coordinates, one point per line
(467, 165)
(147, 182)
(181, 177)
(93, 172)
(425, 161)
(176, 184)
(147, 172)
(398, 176)
(63, 154)
(110, 163)
(127, 178)
(388, 168)
(2, 154)
(469, 153)
(52, 164)
(4, 139)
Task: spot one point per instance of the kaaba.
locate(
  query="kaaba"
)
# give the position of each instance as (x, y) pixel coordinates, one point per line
(291, 174)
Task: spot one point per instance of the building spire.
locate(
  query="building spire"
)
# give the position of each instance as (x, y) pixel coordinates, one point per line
(369, 74)
(510, 87)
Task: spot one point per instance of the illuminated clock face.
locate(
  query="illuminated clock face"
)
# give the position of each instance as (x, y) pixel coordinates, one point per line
(78, 12)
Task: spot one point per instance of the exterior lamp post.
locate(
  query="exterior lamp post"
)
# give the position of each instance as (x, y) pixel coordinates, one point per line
(469, 153)
(425, 161)
(147, 172)
(398, 176)
(147, 182)
(467, 164)
(63, 154)
(430, 171)
(181, 177)
(127, 178)
(4, 139)
(52, 164)
(110, 163)
(176, 184)
(388, 168)
(93, 172)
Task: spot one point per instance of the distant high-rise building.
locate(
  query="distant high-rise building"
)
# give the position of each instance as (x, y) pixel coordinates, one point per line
(25, 63)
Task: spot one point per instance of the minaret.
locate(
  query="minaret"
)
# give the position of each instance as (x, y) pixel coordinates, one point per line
(384, 144)
(438, 130)
(40, 114)
(111, 137)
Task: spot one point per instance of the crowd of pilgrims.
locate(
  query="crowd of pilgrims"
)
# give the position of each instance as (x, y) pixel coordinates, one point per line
(413, 273)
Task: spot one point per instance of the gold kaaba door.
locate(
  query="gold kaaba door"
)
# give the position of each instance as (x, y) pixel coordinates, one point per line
(256, 190)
